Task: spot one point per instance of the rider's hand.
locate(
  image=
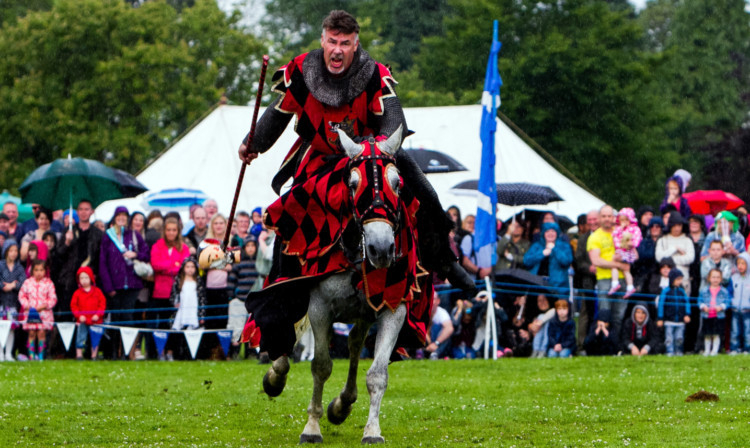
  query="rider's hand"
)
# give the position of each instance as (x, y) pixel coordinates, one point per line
(245, 155)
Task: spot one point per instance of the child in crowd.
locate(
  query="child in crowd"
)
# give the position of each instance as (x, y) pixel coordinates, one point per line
(88, 306)
(660, 281)
(12, 276)
(600, 341)
(37, 251)
(256, 226)
(241, 281)
(465, 330)
(189, 297)
(716, 260)
(626, 237)
(714, 300)
(37, 297)
(741, 305)
(673, 197)
(674, 313)
(561, 332)
(638, 335)
(538, 327)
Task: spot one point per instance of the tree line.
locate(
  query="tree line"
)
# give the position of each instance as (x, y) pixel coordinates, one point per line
(620, 97)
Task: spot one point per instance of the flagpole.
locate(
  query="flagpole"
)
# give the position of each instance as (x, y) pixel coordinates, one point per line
(485, 235)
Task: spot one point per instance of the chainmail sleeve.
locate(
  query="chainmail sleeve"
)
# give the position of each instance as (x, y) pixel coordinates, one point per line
(393, 117)
(270, 127)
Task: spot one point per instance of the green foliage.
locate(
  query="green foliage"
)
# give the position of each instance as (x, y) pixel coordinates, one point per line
(702, 52)
(581, 402)
(11, 10)
(103, 80)
(575, 79)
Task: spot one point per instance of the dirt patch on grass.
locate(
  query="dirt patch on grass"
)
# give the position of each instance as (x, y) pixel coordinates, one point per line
(702, 396)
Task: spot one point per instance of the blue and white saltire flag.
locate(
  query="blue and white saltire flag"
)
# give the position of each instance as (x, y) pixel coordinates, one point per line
(485, 230)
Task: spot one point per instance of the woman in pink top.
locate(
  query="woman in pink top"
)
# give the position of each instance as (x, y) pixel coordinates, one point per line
(167, 255)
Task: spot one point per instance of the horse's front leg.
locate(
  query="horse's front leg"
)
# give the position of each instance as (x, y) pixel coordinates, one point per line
(389, 325)
(321, 367)
(341, 406)
(274, 380)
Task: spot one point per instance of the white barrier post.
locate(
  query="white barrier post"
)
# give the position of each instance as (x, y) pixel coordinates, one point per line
(490, 325)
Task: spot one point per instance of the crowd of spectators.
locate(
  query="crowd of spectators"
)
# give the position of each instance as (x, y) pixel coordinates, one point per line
(620, 282)
(133, 271)
(661, 280)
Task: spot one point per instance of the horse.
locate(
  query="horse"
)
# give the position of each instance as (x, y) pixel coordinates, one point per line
(372, 170)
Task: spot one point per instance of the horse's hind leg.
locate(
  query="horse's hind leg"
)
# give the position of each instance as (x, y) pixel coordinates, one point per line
(389, 325)
(321, 367)
(275, 378)
(341, 406)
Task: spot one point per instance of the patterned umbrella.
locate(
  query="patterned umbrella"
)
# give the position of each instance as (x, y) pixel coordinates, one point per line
(431, 161)
(516, 193)
(175, 198)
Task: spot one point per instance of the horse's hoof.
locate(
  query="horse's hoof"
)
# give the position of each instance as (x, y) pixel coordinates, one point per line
(371, 440)
(342, 416)
(310, 438)
(270, 389)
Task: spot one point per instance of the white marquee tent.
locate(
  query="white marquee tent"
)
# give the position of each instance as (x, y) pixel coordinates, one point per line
(206, 158)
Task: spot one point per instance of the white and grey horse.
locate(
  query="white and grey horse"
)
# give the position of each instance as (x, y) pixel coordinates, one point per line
(335, 299)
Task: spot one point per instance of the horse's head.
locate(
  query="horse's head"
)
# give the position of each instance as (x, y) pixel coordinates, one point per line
(374, 187)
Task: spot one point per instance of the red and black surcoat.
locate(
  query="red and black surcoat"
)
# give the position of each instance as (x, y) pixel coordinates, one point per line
(311, 217)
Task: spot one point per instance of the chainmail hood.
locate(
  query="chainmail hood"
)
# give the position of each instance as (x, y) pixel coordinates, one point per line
(337, 91)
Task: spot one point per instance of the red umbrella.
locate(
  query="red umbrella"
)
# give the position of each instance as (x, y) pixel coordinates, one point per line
(712, 201)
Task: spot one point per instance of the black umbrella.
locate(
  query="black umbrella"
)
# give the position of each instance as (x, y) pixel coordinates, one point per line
(535, 216)
(431, 161)
(517, 193)
(129, 185)
(519, 277)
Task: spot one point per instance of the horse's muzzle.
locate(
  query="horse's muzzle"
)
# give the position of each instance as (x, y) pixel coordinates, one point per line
(379, 244)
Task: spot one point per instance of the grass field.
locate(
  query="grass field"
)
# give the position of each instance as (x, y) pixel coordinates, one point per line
(511, 402)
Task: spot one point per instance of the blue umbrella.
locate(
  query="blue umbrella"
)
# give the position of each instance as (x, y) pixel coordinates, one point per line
(175, 198)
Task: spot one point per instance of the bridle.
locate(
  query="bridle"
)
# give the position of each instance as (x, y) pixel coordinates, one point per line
(382, 207)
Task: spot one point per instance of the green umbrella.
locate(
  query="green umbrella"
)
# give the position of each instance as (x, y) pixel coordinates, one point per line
(65, 182)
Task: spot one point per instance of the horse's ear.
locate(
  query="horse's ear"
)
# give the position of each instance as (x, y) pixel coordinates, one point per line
(352, 149)
(391, 145)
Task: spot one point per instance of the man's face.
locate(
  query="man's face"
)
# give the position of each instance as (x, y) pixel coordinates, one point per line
(338, 50)
(200, 219)
(84, 212)
(12, 212)
(606, 218)
(592, 221)
(243, 223)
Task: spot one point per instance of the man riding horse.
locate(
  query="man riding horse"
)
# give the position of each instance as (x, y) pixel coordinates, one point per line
(336, 88)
